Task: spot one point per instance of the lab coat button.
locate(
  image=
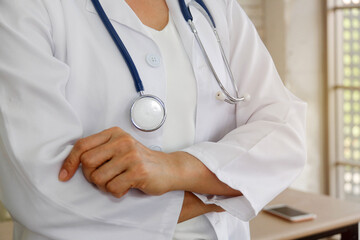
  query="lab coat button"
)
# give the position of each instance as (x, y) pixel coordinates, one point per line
(155, 148)
(153, 60)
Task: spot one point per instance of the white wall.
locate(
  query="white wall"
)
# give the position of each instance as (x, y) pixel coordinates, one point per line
(294, 32)
(305, 75)
(255, 10)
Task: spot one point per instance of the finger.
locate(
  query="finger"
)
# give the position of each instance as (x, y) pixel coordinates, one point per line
(87, 173)
(119, 185)
(106, 172)
(68, 169)
(72, 162)
(97, 156)
(120, 195)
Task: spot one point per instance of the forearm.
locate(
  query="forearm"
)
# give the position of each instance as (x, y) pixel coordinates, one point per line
(193, 207)
(190, 174)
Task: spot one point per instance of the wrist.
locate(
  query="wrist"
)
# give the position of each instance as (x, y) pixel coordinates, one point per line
(183, 173)
(193, 207)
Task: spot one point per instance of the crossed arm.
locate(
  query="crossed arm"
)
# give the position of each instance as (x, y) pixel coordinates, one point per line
(115, 162)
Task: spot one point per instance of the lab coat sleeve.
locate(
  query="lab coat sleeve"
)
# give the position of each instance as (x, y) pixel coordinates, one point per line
(38, 128)
(267, 150)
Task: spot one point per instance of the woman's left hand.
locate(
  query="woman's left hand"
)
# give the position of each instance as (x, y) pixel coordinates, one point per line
(115, 162)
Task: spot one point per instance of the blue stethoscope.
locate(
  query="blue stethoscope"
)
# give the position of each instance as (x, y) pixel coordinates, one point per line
(148, 112)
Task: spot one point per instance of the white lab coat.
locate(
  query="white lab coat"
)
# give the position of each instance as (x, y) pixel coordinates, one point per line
(62, 78)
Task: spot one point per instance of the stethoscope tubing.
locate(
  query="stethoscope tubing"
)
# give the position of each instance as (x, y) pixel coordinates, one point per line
(225, 95)
(200, 5)
(133, 70)
(187, 14)
(120, 45)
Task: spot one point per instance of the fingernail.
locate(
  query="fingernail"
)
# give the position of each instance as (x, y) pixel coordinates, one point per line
(63, 174)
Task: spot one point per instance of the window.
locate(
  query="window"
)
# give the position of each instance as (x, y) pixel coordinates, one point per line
(344, 97)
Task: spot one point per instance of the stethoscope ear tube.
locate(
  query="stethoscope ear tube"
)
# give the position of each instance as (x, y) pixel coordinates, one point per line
(200, 5)
(221, 96)
(229, 99)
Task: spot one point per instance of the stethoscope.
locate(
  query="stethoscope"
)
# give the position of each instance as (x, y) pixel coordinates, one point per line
(148, 112)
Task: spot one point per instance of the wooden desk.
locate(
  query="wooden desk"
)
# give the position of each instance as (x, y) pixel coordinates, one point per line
(333, 216)
(6, 230)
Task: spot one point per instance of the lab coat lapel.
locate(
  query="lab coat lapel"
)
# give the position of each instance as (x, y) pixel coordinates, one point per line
(183, 28)
(193, 53)
(208, 107)
(120, 12)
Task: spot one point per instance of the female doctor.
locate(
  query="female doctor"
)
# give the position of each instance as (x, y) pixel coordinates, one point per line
(70, 97)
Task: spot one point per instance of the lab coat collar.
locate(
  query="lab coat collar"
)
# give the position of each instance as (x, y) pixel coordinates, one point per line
(120, 12)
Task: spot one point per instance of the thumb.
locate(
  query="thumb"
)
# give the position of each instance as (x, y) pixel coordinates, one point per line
(69, 167)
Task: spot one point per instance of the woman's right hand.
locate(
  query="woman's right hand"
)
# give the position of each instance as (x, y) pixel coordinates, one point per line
(193, 207)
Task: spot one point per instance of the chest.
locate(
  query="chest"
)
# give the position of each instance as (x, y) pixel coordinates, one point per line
(101, 88)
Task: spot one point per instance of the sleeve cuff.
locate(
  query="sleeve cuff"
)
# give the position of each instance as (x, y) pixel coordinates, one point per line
(239, 207)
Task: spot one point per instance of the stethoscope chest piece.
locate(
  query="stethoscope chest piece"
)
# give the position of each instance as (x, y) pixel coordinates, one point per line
(148, 113)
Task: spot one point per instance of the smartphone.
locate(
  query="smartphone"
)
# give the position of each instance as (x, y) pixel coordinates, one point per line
(289, 213)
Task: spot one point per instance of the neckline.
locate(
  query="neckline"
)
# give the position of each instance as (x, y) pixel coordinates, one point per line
(148, 27)
(164, 29)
